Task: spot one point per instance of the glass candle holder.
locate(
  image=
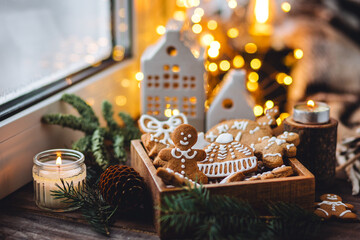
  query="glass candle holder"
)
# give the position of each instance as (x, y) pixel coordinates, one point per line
(49, 168)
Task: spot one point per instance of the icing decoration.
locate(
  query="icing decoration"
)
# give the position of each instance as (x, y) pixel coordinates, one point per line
(157, 128)
(228, 167)
(224, 138)
(254, 130)
(222, 128)
(182, 153)
(240, 125)
(211, 136)
(272, 154)
(238, 136)
(290, 145)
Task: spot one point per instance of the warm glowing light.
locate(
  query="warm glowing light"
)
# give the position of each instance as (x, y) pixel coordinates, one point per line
(280, 77)
(195, 18)
(167, 112)
(238, 61)
(179, 15)
(252, 86)
(278, 121)
(298, 53)
(199, 11)
(207, 39)
(233, 33)
(118, 53)
(288, 80)
(310, 103)
(213, 52)
(192, 100)
(160, 30)
(120, 100)
(139, 76)
(212, 24)
(253, 77)
(250, 48)
(215, 44)
(258, 110)
(269, 104)
(255, 63)
(284, 115)
(196, 28)
(232, 4)
(286, 7)
(224, 65)
(58, 160)
(261, 10)
(125, 83)
(180, 3)
(175, 112)
(212, 67)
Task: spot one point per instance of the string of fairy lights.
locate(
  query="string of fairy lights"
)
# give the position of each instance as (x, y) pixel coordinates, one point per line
(212, 35)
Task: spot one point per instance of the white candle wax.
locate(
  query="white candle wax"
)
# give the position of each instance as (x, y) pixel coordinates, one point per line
(48, 174)
(312, 112)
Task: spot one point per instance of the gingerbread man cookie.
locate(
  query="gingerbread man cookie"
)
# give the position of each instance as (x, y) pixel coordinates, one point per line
(243, 130)
(332, 206)
(272, 150)
(226, 156)
(183, 158)
(269, 119)
(157, 133)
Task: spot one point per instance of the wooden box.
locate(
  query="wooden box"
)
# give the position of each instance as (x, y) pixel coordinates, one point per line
(298, 189)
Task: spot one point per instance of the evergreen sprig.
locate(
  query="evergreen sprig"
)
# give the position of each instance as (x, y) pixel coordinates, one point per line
(88, 199)
(104, 145)
(196, 213)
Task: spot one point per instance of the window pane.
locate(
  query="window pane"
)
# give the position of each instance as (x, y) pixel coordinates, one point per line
(44, 41)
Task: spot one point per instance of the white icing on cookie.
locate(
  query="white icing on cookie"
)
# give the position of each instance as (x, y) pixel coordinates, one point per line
(211, 136)
(222, 128)
(240, 125)
(238, 136)
(289, 146)
(272, 154)
(254, 130)
(184, 153)
(224, 138)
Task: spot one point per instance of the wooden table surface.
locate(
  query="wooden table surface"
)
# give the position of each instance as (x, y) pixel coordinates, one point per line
(21, 219)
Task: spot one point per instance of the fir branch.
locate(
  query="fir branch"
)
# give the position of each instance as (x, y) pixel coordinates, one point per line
(92, 206)
(194, 211)
(98, 148)
(119, 150)
(130, 131)
(108, 113)
(82, 107)
(70, 121)
(83, 144)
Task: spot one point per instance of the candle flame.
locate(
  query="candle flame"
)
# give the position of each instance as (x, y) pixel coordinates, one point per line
(262, 10)
(58, 160)
(310, 103)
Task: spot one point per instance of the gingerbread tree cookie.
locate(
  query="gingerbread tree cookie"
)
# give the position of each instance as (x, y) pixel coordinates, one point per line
(272, 150)
(157, 133)
(183, 158)
(226, 156)
(269, 119)
(332, 206)
(243, 130)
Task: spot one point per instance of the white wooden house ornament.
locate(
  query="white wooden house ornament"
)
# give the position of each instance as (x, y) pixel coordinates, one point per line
(173, 79)
(231, 101)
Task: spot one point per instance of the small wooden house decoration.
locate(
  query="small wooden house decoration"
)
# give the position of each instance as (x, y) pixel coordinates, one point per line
(231, 101)
(173, 79)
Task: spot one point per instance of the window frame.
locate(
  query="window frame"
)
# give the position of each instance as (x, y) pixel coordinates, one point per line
(25, 101)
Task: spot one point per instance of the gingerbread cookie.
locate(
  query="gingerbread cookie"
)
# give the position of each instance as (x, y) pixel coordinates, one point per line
(183, 158)
(282, 171)
(243, 130)
(235, 177)
(332, 206)
(157, 133)
(269, 119)
(226, 156)
(170, 177)
(272, 150)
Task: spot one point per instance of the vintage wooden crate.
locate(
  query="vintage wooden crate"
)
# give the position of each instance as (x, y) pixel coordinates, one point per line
(298, 189)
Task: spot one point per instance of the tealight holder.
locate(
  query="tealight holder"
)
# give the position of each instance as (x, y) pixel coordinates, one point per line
(318, 135)
(49, 168)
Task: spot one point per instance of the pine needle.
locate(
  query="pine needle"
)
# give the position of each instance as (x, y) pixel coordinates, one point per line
(70, 121)
(98, 148)
(82, 107)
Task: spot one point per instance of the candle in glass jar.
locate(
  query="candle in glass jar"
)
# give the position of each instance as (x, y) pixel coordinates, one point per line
(49, 168)
(312, 112)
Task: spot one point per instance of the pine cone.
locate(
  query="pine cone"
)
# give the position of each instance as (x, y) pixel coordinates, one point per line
(122, 186)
